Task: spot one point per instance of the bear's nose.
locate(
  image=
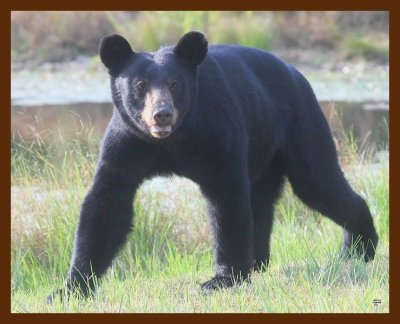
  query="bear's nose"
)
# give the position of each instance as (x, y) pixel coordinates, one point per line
(163, 116)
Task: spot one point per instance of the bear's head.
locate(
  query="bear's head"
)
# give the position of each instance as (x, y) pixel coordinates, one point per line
(153, 92)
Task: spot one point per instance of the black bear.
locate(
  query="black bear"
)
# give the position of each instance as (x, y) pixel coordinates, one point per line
(235, 120)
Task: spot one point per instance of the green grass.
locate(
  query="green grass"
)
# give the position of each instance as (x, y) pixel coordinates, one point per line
(359, 47)
(169, 252)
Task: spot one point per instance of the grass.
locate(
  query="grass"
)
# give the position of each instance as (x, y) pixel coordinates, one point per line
(169, 252)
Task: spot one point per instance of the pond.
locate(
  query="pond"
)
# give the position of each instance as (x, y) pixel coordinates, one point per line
(368, 122)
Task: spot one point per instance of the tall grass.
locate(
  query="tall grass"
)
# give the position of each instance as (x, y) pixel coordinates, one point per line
(170, 249)
(60, 36)
(150, 30)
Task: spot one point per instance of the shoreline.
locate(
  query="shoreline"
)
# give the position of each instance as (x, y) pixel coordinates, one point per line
(86, 80)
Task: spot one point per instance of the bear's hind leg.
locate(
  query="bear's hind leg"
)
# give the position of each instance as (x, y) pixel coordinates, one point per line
(232, 225)
(318, 180)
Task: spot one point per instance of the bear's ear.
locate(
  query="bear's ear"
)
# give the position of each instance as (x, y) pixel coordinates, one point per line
(192, 47)
(114, 52)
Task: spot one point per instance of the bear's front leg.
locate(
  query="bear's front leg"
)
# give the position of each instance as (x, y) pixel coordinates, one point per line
(104, 223)
(228, 197)
(106, 214)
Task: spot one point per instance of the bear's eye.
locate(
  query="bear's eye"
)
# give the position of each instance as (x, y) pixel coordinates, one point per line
(141, 85)
(173, 85)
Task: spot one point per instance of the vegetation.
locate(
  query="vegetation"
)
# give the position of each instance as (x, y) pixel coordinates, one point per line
(170, 250)
(60, 36)
(359, 47)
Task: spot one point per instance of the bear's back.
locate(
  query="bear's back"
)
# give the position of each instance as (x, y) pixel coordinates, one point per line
(249, 70)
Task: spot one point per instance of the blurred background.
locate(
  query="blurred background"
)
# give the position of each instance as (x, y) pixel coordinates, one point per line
(59, 82)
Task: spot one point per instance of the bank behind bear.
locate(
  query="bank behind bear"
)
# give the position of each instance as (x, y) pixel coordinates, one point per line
(235, 120)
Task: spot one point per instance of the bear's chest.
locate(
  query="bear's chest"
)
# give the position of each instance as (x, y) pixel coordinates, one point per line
(188, 159)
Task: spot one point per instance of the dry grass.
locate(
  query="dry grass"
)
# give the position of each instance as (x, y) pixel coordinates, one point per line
(51, 36)
(62, 35)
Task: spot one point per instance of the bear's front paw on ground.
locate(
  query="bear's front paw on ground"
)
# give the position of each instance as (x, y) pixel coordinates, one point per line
(76, 289)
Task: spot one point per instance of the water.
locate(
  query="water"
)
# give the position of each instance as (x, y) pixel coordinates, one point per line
(76, 83)
(367, 121)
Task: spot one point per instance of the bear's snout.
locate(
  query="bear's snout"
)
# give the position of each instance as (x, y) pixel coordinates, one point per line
(159, 113)
(163, 116)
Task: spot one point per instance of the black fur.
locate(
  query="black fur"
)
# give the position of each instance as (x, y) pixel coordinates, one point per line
(246, 120)
(192, 47)
(114, 52)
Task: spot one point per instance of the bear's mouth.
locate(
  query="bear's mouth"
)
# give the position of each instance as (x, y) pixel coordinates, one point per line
(160, 131)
